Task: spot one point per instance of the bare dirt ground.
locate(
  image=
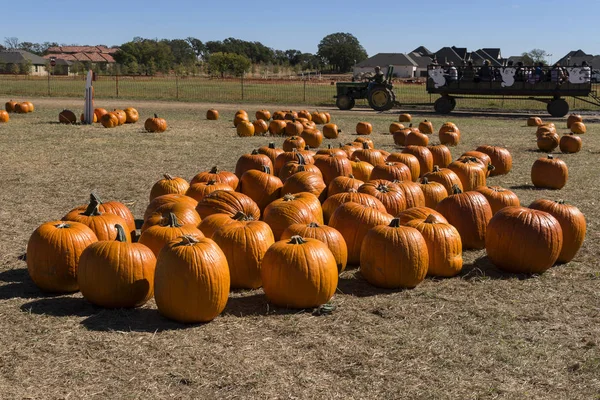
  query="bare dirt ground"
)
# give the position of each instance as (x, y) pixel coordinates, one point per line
(481, 335)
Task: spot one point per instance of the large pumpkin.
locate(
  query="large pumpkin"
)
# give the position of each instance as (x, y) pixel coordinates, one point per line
(299, 208)
(549, 173)
(416, 138)
(419, 213)
(169, 185)
(333, 166)
(293, 142)
(410, 161)
(343, 184)
(157, 236)
(245, 129)
(299, 273)
(572, 119)
(434, 192)
(111, 207)
(548, 142)
(578, 128)
(104, 224)
(469, 213)
(109, 120)
(426, 127)
(364, 128)
(53, 253)
(271, 151)
(10, 105)
(498, 197)
(443, 245)
(305, 181)
(192, 280)
(444, 176)
(392, 171)
(351, 195)
(523, 240)
(441, 154)
(470, 172)
(185, 213)
(244, 243)
(168, 199)
(362, 170)
(394, 256)
(214, 222)
(197, 191)
(261, 186)
(226, 202)
(391, 195)
(253, 160)
(572, 223)
(413, 194)
(313, 137)
(260, 127)
(217, 175)
(117, 273)
(331, 131)
(263, 114)
(570, 143)
(423, 155)
(501, 159)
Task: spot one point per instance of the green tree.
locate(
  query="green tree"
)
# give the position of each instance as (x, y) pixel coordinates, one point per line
(341, 51)
(13, 68)
(198, 47)
(152, 56)
(183, 53)
(221, 63)
(25, 67)
(534, 56)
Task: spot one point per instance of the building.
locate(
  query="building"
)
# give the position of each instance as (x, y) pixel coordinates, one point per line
(576, 57)
(405, 65)
(21, 62)
(90, 56)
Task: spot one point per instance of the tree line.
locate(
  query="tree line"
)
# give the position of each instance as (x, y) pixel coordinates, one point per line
(337, 52)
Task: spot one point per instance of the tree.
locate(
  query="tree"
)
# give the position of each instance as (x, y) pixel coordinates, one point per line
(11, 43)
(341, 51)
(151, 55)
(198, 47)
(183, 53)
(534, 56)
(25, 67)
(220, 63)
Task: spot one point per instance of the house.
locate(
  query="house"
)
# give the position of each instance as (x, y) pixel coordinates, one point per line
(90, 56)
(405, 66)
(21, 62)
(456, 55)
(578, 56)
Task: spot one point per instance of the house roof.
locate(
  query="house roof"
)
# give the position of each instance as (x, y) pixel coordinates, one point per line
(83, 57)
(421, 61)
(383, 59)
(493, 52)
(448, 54)
(82, 49)
(20, 56)
(577, 57)
(423, 51)
(486, 56)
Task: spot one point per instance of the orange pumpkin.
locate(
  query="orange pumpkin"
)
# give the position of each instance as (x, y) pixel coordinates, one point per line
(155, 124)
(169, 184)
(245, 129)
(426, 127)
(212, 114)
(364, 128)
(131, 115)
(4, 117)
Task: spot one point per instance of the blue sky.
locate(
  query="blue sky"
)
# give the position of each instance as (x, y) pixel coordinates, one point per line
(400, 26)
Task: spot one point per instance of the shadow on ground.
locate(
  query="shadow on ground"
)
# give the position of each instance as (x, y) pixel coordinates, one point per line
(482, 268)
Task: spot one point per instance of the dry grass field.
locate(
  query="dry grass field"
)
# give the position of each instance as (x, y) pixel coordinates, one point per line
(481, 335)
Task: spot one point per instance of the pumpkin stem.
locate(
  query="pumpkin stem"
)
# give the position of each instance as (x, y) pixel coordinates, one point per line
(383, 188)
(424, 180)
(301, 159)
(436, 168)
(490, 167)
(240, 216)
(289, 197)
(188, 240)
(266, 169)
(173, 222)
(550, 157)
(301, 168)
(395, 223)
(561, 202)
(214, 170)
(155, 115)
(168, 177)
(313, 225)
(351, 176)
(297, 239)
(92, 209)
(62, 225)
(352, 190)
(94, 197)
(271, 145)
(254, 152)
(211, 182)
(365, 146)
(120, 234)
(431, 219)
(307, 147)
(456, 189)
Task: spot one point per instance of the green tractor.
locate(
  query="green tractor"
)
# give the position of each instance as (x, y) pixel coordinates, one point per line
(380, 96)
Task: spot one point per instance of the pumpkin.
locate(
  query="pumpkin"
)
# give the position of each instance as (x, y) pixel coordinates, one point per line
(420, 213)
(157, 236)
(169, 185)
(117, 273)
(353, 221)
(534, 121)
(212, 114)
(434, 192)
(549, 173)
(312, 137)
(226, 202)
(53, 254)
(570, 143)
(370, 155)
(217, 175)
(498, 197)
(364, 128)
(238, 118)
(184, 212)
(543, 130)
(416, 138)
(578, 128)
(197, 191)
(265, 115)
(410, 161)
(441, 155)
(448, 127)
(99, 112)
(333, 166)
(331, 131)
(299, 208)
(155, 124)
(423, 155)
(426, 127)
(330, 150)
(523, 240)
(293, 128)
(260, 127)
(277, 127)
(395, 126)
(270, 151)
(21, 108)
(319, 118)
(572, 223)
(30, 107)
(293, 142)
(293, 167)
(350, 148)
(304, 114)
(548, 142)
(82, 118)
(449, 137)
(391, 171)
(444, 246)
(352, 195)
(131, 115)
(572, 119)
(103, 224)
(394, 256)
(278, 115)
(213, 222)
(470, 172)
(261, 186)
(299, 273)
(413, 194)
(9, 106)
(343, 184)
(110, 207)
(404, 118)
(120, 115)
(4, 117)
(109, 120)
(484, 159)
(501, 159)
(244, 243)
(191, 280)
(301, 157)
(445, 176)
(400, 136)
(245, 129)
(254, 160)
(291, 115)
(360, 142)
(67, 117)
(168, 199)
(469, 213)
(362, 170)
(305, 181)
(390, 195)
(326, 234)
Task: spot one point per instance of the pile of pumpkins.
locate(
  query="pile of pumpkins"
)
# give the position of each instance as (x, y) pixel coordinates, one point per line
(290, 220)
(117, 117)
(548, 138)
(15, 107)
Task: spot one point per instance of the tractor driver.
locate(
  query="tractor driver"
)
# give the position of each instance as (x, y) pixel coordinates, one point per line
(378, 78)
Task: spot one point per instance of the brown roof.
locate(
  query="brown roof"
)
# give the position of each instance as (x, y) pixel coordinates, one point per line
(84, 57)
(82, 49)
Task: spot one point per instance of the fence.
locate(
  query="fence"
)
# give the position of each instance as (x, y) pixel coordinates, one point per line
(202, 89)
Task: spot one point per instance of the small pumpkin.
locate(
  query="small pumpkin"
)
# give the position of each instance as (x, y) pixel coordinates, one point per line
(351, 195)
(186, 214)
(293, 128)
(364, 128)
(549, 173)
(548, 142)
(572, 119)
(391, 195)
(449, 137)
(131, 115)
(103, 224)
(413, 193)
(404, 118)
(331, 131)
(501, 159)
(198, 191)
(120, 115)
(260, 127)
(333, 166)
(370, 155)
(157, 236)
(470, 172)
(245, 129)
(10, 105)
(261, 186)
(362, 170)
(169, 184)
(155, 124)
(4, 117)
(441, 155)
(534, 121)
(277, 127)
(570, 143)
(423, 155)
(343, 184)
(410, 161)
(445, 176)
(434, 192)
(271, 151)
(99, 112)
(238, 118)
(400, 136)
(416, 138)
(265, 115)
(578, 128)
(109, 120)
(160, 201)
(305, 181)
(217, 175)
(293, 142)
(395, 126)
(391, 171)
(226, 202)
(110, 207)
(313, 137)
(212, 114)
(426, 127)
(253, 160)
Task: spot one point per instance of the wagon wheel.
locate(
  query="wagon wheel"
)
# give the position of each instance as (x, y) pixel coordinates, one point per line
(381, 99)
(444, 105)
(344, 102)
(558, 107)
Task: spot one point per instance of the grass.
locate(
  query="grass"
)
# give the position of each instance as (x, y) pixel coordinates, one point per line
(193, 89)
(481, 335)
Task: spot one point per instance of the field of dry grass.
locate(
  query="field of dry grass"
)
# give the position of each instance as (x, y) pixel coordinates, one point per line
(481, 335)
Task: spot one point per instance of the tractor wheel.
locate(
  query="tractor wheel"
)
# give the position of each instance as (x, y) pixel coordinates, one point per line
(444, 105)
(344, 102)
(381, 99)
(558, 107)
